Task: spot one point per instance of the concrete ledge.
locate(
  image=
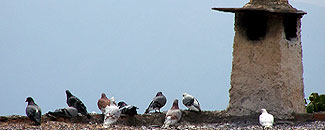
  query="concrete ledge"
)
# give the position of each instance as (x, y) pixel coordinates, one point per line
(318, 116)
(157, 119)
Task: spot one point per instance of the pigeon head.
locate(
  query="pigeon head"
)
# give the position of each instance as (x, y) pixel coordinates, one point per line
(159, 94)
(121, 104)
(68, 93)
(175, 104)
(104, 95)
(263, 110)
(185, 94)
(30, 100)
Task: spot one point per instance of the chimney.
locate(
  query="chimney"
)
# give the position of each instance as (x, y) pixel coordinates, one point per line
(267, 70)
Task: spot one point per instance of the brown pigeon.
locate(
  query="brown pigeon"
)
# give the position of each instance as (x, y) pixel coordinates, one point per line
(103, 102)
(173, 115)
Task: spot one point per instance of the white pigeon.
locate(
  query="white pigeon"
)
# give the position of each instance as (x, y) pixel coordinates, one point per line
(173, 115)
(112, 113)
(191, 102)
(266, 119)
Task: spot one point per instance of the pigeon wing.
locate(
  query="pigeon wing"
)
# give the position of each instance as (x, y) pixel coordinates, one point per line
(188, 101)
(196, 104)
(30, 111)
(65, 112)
(175, 113)
(34, 113)
(71, 101)
(172, 117)
(129, 110)
(266, 119)
(82, 109)
(159, 101)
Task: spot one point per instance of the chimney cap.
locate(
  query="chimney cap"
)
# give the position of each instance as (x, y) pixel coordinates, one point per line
(272, 6)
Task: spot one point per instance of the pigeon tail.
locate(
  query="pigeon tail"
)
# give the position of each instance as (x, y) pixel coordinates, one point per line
(147, 110)
(169, 121)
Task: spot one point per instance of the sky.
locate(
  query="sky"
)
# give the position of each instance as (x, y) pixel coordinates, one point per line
(130, 50)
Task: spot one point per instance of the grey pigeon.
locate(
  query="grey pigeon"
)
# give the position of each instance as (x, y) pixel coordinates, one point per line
(33, 111)
(75, 102)
(191, 102)
(127, 109)
(173, 115)
(157, 102)
(68, 112)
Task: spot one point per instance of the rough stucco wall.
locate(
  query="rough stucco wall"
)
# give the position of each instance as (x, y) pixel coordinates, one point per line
(266, 73)
(292, 71)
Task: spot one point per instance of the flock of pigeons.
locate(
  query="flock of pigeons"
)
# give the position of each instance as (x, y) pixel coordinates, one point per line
(113, 111)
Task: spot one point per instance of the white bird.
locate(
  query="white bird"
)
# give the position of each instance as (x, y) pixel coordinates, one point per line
(191, 102)
(112, 113)
(173, 115)
(266, 119)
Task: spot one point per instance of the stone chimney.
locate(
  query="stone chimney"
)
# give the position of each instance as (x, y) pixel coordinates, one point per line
(267, 70)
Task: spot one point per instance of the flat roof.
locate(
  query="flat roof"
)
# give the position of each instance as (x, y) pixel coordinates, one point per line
(270, 10)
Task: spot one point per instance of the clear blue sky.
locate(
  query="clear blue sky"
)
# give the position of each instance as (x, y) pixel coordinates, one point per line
(130, 50)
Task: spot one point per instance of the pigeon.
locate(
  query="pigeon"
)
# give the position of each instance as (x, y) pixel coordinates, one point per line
(75, 102)
(112, 114)
(191, 102)
(173, 115)
(33, 111)
(103, 102)
(68, 112)
(266, 119)
(127, 109)
(157, 102)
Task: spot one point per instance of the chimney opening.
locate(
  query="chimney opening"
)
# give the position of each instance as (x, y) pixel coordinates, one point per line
(254, 24)
(290, 26)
